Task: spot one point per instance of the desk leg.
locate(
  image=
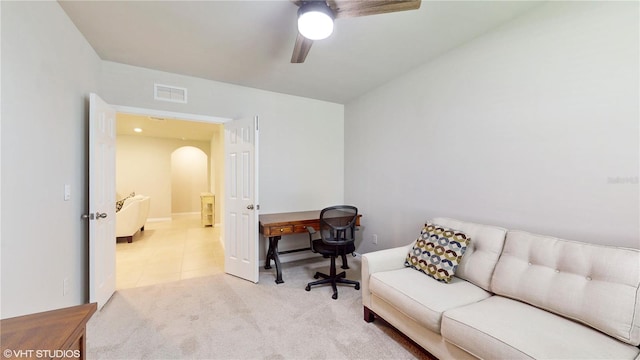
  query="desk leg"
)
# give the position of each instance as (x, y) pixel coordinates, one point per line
(267, 261)
(272, 253)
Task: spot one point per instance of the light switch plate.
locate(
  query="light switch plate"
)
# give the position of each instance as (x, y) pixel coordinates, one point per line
(67, 192)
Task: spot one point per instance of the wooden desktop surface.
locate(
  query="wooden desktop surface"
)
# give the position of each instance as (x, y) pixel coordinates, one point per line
(41, 335)
(274, 226)
(291, 222)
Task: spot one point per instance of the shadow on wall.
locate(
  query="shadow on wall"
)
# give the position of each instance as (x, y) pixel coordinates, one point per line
(189, 178)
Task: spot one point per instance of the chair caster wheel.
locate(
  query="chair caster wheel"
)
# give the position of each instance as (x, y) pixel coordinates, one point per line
(335, 296)
(308, 288)
(316, 276)
(357, 286)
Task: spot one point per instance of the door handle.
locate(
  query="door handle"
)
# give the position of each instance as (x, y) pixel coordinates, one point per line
(250, 207)
(98, 215)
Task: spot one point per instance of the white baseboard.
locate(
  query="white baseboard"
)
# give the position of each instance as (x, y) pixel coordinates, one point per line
(186, 213)
(158, 219)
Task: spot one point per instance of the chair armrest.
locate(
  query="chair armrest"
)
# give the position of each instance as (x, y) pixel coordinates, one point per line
(379, 261)
(311, 231)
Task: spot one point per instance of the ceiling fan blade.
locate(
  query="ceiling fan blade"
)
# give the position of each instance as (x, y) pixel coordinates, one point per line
(301, 49)
(354, 8)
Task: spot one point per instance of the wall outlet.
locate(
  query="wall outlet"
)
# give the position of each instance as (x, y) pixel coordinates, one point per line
(65, 286)
(374, 239)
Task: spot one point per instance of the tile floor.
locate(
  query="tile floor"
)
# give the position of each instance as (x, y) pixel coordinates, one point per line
(169, 251)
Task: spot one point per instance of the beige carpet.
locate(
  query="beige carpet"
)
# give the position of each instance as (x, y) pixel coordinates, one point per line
(223, 317)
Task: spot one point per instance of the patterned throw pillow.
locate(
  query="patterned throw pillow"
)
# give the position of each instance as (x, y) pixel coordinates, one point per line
(438, 251)
(120, 203)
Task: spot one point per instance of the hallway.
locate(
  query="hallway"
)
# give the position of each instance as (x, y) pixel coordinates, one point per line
(169, 251)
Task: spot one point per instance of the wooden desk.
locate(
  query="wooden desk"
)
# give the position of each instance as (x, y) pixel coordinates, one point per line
(56, 334)
(274, 226)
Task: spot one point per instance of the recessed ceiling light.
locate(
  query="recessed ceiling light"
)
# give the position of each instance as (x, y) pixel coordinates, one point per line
(138, 130)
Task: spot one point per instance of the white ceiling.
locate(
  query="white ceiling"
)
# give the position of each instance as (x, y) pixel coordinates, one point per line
(250, 43)
(165, 128)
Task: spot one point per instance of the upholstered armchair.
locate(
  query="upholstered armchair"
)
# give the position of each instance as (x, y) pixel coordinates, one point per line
(132, 217)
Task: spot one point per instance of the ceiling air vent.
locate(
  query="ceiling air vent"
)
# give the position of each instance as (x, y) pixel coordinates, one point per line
(170, 93)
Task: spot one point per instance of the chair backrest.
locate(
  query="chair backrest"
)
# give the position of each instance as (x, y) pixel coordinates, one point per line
(337, 224)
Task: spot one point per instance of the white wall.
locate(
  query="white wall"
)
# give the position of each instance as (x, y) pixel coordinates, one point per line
(143, 166)
(217, 173)
(48, 70)
(301, 147)
(299, 137)
(532, 126)
(189, 179)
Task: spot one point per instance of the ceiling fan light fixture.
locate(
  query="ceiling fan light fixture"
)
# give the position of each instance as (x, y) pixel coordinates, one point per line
(315, 20)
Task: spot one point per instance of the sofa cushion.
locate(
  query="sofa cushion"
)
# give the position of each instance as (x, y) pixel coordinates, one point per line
(422, 298)
(437, 251)
(502, 328)
(594, 284)
(482, 253)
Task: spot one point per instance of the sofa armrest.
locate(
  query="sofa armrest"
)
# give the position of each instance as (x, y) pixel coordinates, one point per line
(127, 219)
(378, 261)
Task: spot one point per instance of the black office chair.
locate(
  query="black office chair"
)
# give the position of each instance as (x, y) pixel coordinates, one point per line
(337, 228)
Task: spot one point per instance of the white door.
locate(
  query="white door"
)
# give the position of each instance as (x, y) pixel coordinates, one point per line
(102, 201)
(241, 208)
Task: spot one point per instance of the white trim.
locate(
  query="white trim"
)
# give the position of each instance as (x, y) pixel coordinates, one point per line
(159, 219)
(170, 114)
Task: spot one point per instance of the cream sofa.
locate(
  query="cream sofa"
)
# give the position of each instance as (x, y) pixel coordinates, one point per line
(132, 216)
(515, 295)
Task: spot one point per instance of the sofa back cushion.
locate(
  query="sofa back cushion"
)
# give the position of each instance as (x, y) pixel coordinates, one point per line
(593, 284)
(482, 253)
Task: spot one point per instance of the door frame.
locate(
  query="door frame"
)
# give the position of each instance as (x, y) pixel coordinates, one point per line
(170, 114)
(177, 116)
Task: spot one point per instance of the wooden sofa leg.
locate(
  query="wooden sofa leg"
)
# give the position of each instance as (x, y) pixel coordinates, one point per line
(369, 315)
(128, 238)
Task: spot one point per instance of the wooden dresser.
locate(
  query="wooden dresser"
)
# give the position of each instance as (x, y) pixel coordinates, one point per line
(56, 334)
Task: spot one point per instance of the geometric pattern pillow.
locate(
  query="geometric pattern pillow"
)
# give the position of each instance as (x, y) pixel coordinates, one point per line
(438, 251)
(120, 203)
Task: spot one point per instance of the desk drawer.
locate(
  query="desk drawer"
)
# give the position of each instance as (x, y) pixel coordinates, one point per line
(281, 230)
(300, 228)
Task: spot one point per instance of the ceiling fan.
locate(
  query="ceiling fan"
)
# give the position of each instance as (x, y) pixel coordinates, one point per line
(315, 18)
